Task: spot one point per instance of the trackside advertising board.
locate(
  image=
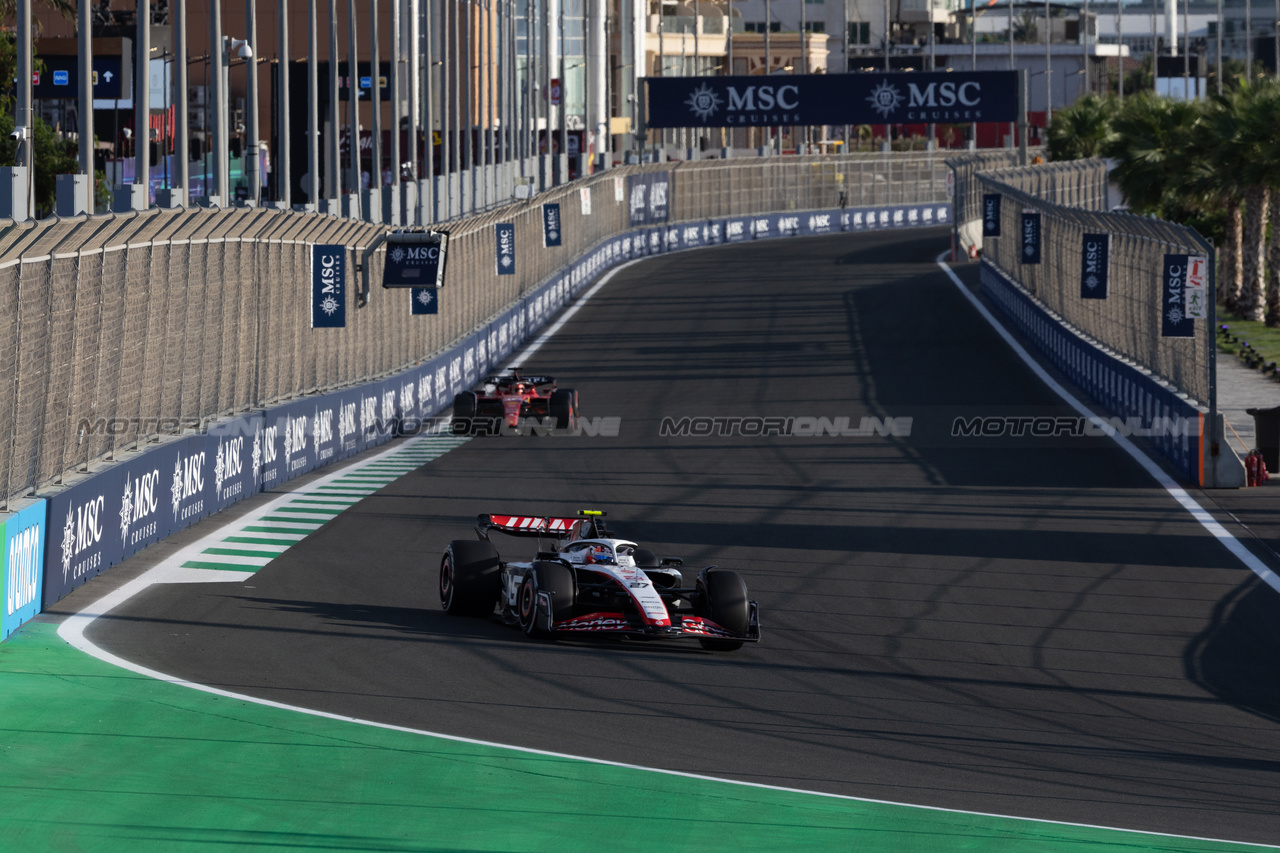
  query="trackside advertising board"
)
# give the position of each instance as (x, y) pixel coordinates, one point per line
(881, 97)
(22, 564)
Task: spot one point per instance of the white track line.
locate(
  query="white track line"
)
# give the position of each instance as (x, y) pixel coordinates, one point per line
(1199, 513)
(73, 632)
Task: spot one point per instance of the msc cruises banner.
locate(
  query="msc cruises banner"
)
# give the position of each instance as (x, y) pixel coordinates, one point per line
(328, 286)
(860, 98)
(1175, 322)
(1095, 255)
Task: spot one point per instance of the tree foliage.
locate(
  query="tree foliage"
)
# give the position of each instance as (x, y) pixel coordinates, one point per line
(1212, 164)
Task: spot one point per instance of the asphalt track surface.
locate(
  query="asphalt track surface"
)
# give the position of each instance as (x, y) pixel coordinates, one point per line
(1023, 626)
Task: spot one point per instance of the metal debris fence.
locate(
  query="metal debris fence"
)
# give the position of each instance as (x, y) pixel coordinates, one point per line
(120, 328)
(1128, 321)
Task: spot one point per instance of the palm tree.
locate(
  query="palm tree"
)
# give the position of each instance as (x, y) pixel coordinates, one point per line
(1262, 166)
(1217, 176)
(1082, 129)
(1258, 176)
(1152, 144)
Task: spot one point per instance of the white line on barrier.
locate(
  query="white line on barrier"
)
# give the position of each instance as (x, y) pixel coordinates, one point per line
(73, 631)
(1199, 513)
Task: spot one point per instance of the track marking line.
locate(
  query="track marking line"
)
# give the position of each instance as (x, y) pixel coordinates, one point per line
(1179, 494)
(73, 630)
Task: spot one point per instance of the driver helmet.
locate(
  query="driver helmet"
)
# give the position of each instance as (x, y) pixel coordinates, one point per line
(599, 554)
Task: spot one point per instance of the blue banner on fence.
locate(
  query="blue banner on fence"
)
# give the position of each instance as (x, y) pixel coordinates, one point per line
(1095, 263)
(837, 99)
(648, 198)
(504, 235)
(551, 224)
(991, 215)
(424, 300)
(1031, 237)
(328, 286)
(1174, 320)
(22, 564)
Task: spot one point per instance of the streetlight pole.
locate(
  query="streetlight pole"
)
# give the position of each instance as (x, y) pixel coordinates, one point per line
(333, 169)
(353, 109)
(375, 109)
(251, 170)
(393, 80)
(141, 106)
(281, 169)
(216, 190)
(313, 108)
(85, 74)
(180, 151)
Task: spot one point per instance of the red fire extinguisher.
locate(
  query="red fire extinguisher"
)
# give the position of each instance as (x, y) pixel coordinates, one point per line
(1251, 468)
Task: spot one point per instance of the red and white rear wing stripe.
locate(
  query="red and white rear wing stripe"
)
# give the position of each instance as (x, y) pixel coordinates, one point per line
(528, 525)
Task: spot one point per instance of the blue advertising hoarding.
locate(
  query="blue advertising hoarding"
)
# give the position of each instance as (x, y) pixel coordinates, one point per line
(185, 467)
(991, 214)
(1032, 237)
(81, 540)
(235, 447)
(22, 564)
(551, 232)
(882, 97)
(1095, 265)
(143, 494)
(328, 286)
(424, 300)
(504, 237)
(1174, 322)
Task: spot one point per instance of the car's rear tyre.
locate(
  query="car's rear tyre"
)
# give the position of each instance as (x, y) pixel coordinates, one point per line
(646, 559)
(564, 408)
(469, 578)
(555, 580)
(724, 601)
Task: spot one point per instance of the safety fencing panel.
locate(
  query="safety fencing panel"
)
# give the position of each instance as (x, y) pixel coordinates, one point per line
(1132, 318)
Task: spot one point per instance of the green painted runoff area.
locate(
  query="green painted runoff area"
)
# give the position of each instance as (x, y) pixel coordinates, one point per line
(99, 758)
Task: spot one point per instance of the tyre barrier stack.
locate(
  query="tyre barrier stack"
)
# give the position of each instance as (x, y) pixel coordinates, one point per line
(60, 538)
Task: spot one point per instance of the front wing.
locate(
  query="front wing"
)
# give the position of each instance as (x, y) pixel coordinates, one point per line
(618, 625)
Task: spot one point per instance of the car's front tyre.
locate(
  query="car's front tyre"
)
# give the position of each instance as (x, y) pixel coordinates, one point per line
(469, 578)
(555, 580)
(724, 601)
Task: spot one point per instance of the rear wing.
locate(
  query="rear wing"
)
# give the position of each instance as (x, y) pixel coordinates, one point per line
(527, 526)
(516, 375)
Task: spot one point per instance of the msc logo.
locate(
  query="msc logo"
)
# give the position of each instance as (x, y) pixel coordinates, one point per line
(751, 104)
(400, 254)
(704, 102)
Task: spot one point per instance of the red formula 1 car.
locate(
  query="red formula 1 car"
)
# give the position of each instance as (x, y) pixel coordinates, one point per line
(590, 583)
(507, 399)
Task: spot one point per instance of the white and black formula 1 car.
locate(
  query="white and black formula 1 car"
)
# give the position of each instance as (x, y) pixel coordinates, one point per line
(590, 583)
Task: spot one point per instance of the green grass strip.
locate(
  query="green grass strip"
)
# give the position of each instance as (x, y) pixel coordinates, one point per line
(99, 759)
